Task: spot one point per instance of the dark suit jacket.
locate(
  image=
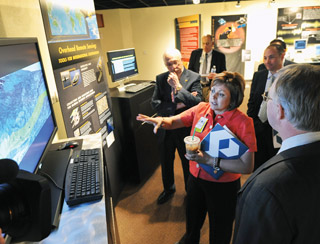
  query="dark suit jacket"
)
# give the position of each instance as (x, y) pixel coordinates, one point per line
(279, 203)
(257, 89)
(218, 59)
(263, 131)
(162, 101)
(286, 62)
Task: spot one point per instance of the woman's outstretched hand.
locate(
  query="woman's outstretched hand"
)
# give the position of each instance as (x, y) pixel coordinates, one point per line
(155, 121)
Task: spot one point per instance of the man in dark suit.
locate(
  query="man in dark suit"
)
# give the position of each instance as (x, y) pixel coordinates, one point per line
(284, 46)
(176, 90)
(273, 59)
(207, 61)
(279, 203)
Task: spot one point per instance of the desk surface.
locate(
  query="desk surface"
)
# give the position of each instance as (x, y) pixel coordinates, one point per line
(83, 223)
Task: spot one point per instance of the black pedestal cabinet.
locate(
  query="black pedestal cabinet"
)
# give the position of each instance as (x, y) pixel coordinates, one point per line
(138, 142)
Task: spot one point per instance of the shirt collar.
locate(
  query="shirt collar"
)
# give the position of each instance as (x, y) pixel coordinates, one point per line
(270, 74)
(226, 115)
(300, 140)
(204, 53)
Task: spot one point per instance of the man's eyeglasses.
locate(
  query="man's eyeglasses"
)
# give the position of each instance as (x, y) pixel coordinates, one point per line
(265, 97)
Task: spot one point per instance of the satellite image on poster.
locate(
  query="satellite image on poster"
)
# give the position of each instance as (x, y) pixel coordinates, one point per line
(229, 33)
(66, 22)
(230, 38)
(75, 52)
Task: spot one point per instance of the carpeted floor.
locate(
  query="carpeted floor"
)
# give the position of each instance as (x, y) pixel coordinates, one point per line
(141, 221)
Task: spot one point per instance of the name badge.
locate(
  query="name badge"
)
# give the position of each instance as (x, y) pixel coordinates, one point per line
(201, 124)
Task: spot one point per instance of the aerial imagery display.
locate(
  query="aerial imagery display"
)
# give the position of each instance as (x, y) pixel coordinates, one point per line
(24, 94)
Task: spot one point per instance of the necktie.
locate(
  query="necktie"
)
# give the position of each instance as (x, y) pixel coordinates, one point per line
(277, 141)
(263, 107)
(204, 68)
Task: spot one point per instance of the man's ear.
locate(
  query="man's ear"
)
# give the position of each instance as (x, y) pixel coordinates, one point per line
(280, 111)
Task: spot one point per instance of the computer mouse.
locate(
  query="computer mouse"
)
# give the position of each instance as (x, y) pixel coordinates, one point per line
(68, 145)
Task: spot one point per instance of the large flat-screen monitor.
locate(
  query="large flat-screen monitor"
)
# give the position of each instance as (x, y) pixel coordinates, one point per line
(26, 115)
(27, 122)
(122, 64)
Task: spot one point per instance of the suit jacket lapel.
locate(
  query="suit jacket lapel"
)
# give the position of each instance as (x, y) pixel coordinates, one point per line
(166, 86)
(199, 58)
(184, 77)
(263, 81)
(213, 61)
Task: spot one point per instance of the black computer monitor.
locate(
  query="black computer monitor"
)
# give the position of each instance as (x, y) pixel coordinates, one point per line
(122, 64)
(26, 116)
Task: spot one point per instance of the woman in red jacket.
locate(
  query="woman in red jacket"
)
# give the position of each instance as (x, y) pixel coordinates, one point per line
(206, 194)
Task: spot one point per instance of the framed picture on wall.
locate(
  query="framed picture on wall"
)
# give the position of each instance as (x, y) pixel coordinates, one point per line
(230, 38)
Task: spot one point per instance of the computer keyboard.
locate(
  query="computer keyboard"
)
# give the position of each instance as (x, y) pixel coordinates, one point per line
(138, 87)
(84, 177)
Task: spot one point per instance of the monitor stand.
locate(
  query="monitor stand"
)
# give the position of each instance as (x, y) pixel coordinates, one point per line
(122, 86)
(54, 168)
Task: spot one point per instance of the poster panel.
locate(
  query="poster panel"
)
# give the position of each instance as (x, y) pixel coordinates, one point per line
(230, 38)
(76, 57)
(299, 23)
(187, 35)
(69, 20)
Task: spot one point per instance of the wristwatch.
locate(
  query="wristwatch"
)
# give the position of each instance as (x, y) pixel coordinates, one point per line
(216, 164)
(178, 88)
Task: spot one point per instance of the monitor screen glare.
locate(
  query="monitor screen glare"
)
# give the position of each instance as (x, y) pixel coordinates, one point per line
(26, 116)
(318, 50)
(122, 64)
(300, 44)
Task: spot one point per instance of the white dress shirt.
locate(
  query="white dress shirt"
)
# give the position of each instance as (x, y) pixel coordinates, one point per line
(299, 140)
(203, 56)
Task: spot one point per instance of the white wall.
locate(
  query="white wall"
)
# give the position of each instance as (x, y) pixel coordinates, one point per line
(152, 29)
